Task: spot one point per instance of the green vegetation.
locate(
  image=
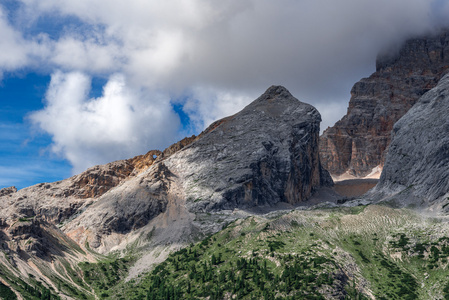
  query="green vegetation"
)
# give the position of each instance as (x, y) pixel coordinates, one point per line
(347, 252)
(105, 274)
(6, 293)
(343, 253)
(33, 290)
(214, 268)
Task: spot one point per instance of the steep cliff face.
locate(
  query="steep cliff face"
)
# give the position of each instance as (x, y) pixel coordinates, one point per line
(356, 144)
(265, 154)
(416, 170)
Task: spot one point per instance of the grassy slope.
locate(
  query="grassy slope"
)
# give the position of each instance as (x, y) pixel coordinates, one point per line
(353, 253)
(372, 251)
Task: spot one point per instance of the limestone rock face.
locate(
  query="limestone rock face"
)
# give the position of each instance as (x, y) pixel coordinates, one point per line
(265, 154)
(356, 144)
(416, 170)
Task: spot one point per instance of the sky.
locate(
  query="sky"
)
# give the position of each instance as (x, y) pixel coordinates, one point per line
(87, 82)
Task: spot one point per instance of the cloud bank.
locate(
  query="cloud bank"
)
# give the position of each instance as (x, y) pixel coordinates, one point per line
(212, 58)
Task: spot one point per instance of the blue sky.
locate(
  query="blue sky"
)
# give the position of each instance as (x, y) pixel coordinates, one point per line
(22, 161)
(25, 157)
(91, 81)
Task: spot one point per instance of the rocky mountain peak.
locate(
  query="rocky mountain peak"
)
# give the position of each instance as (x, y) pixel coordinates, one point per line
(8, 191)
(274, 96)
(356, 144)
(426, 52)
(255, 157)
(276, 91)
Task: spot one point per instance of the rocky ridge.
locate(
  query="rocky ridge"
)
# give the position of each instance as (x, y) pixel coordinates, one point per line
(58, 201)
(356, 144)
(416, 171)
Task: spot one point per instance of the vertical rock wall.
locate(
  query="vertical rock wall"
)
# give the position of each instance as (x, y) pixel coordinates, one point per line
(417, 165)
(356, 144)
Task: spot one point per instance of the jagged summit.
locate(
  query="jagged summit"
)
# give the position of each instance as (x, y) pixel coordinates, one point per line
(356, 144)
(275, 95)
(276, 91)
(264, 135)
(436, 52)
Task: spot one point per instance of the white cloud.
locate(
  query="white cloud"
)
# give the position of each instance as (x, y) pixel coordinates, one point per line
(217, 56)
(206, 105)
(74, 54)
(13, 48)
(123, 122)
(235, 45)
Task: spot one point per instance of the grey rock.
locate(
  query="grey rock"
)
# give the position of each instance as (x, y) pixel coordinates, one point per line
(261, 157)
(416, 171)
(8, 191)
(265, 154)
(357, 143)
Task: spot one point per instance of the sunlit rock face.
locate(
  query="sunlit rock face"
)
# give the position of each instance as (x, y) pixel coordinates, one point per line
(416, 169)
(356, 144)
(58, 201)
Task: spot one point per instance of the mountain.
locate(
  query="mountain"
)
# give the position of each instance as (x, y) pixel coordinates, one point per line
(265, 156)
(246, 210)
(416, 171)
(356, 144)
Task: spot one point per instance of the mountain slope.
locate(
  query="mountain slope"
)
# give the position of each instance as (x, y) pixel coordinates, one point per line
(372, 252)
(145, 207)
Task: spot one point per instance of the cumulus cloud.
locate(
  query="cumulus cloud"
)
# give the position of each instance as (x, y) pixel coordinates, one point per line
(213, 57)
(13, 47)
(123, 122)
(309, 45)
